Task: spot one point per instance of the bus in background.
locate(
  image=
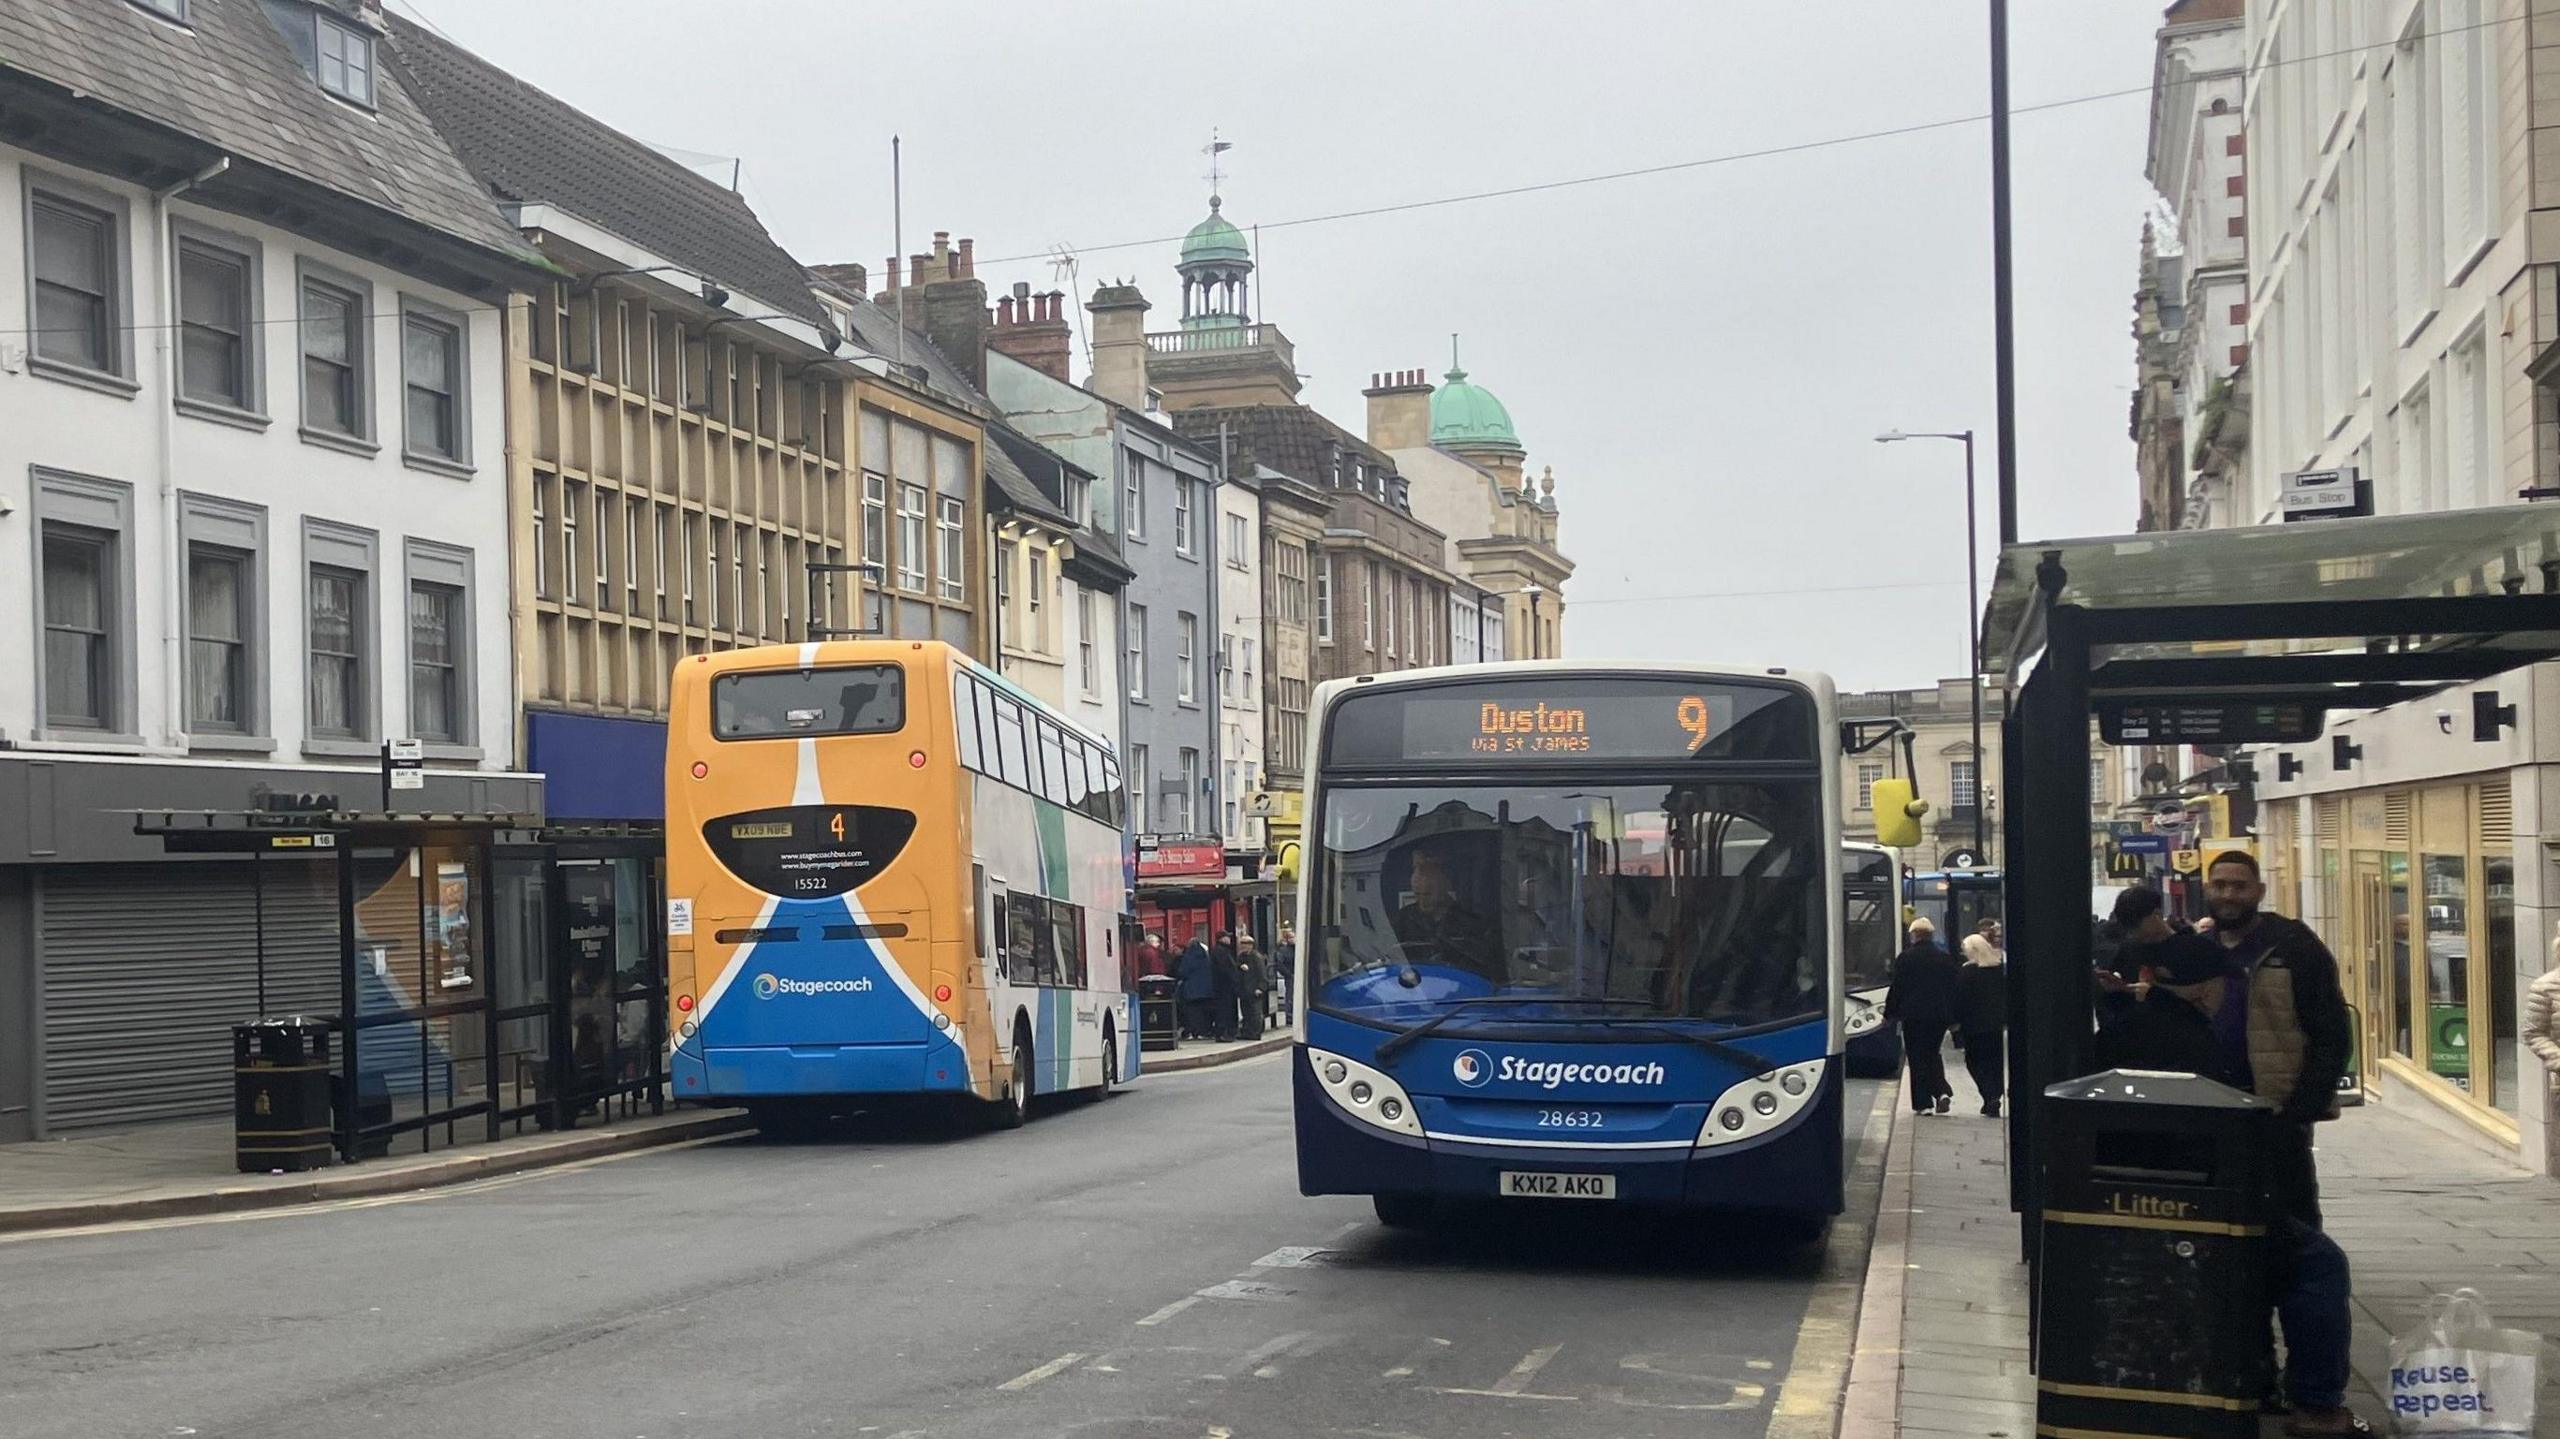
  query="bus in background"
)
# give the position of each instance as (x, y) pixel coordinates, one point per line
(889, 872)
(1573, 932)
(1871, 928)
(1955, 900)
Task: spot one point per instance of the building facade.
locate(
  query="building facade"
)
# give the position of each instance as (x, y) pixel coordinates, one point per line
(681, 442)
(2191, 322)
(2401, 322)
(1960, 782)
(253, 491)
(1241, 766)
(1466, 471)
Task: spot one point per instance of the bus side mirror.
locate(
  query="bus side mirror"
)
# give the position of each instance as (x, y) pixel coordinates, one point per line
(1897, 812)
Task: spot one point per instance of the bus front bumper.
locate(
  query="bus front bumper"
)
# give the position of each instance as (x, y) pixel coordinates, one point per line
(1797, 1169)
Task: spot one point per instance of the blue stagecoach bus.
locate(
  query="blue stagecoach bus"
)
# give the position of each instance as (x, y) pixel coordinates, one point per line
(1871, 929)
(1955, 900)
(1573, 932)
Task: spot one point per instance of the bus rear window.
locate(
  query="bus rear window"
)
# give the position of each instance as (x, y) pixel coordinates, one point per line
(790, 704)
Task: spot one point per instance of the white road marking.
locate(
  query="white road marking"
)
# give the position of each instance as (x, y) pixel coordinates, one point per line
(1422, 1354)
(1247, 1289)
(1169, 1310)
(1515, 1384)
(1026, 1380)
(1302, 1349)
(1270, 1349)
(1295, 1256)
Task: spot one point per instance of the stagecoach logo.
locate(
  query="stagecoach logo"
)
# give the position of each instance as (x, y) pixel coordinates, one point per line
(1473, 1067)
(767, 986)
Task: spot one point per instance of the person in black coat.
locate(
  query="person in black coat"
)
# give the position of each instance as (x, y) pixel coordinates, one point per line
(1197, 987)
(1222, 1002)
(1920, 996)
(1982, 1013)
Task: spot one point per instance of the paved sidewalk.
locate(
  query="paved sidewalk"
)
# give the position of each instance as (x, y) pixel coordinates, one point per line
(184, 1168)
(1196, 1054)
(1944, 1332)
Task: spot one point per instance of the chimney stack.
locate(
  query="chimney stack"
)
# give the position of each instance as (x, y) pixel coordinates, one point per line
(1033, 329)
(954, 313)
(1119, 337)
(1399, 410)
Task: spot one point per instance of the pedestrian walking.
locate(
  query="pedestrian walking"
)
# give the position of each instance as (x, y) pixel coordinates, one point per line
(2193, 1017)
(1253, 988)
(1284, 971)
(1920, 996)
(1982, 1014)
(2541, 1027)
(1196, 987)
(1224, 989)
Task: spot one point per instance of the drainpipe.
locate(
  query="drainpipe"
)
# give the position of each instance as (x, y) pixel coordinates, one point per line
(173, 577)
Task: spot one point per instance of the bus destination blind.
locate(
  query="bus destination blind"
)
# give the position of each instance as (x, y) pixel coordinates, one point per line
(1571, 720)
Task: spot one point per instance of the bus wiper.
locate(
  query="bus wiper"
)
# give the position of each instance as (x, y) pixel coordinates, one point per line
(1387, 1052)
(1733, 1054)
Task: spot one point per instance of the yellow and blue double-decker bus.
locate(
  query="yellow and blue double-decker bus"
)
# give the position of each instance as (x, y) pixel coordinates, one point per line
(889, 872)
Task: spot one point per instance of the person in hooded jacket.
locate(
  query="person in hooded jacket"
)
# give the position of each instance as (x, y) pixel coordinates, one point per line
(1920, 996)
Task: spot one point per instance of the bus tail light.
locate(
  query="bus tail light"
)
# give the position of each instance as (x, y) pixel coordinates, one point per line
(684, 1003)
(700, 770)
(915, 759)
(942, 994)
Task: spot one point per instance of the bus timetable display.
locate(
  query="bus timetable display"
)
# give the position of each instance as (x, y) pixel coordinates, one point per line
(1572, 720)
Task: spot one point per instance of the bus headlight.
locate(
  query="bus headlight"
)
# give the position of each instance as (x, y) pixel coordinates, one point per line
(1761, 1104)
(1365, 1094)
(1864, 1017)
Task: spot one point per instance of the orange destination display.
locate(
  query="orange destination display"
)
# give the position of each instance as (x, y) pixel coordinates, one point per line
(1588, 719)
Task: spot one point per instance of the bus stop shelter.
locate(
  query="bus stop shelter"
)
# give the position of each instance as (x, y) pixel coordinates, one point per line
(2216, 637)
(489, 971)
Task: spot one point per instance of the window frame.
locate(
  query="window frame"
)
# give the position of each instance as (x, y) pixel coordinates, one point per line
(951, 547)
(1134, 527)
(1968, 783)
(103, 508)
(1186, 522)
(415, 312)
(216, 522)
(914, 539)
(250, 257)
(322, 25)
(1088, 644)
(173, 11)
(1864, 783)
(41, 188)
(1186, 639)
(454, 568)
(1324, 599)
(1134, 619)
(1239, 539)
(307, 276)
(358, 551)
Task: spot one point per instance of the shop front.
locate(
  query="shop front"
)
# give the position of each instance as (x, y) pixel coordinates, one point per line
(2419, 882)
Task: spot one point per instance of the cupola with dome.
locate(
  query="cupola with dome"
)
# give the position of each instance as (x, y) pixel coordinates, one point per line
(1217, 272)
(1467, 419)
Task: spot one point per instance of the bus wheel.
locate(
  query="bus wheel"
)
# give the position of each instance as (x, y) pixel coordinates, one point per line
(1402, 1211)
(1110, 1062)
(1015, 1106)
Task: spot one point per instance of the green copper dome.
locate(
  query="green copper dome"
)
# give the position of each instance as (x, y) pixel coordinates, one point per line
(1214, 241)
(1465, 415)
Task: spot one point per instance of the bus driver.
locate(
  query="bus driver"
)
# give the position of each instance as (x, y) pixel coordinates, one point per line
(1436, 929)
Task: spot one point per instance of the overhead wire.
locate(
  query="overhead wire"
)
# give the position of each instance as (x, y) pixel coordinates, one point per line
(1889, 132)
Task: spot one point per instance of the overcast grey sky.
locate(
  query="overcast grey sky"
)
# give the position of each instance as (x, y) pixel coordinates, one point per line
(1704, 356)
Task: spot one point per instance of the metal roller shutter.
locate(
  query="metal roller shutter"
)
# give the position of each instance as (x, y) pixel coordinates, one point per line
(146, 968)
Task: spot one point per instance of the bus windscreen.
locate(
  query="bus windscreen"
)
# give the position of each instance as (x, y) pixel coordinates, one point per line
(1523, 720)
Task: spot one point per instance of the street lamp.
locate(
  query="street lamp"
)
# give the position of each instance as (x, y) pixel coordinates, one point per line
(1972, 621)
(1537, 641)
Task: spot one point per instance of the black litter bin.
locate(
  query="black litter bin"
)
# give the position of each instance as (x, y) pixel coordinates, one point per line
(1159, 1012)
(2152, 1282)
(280, 1094)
